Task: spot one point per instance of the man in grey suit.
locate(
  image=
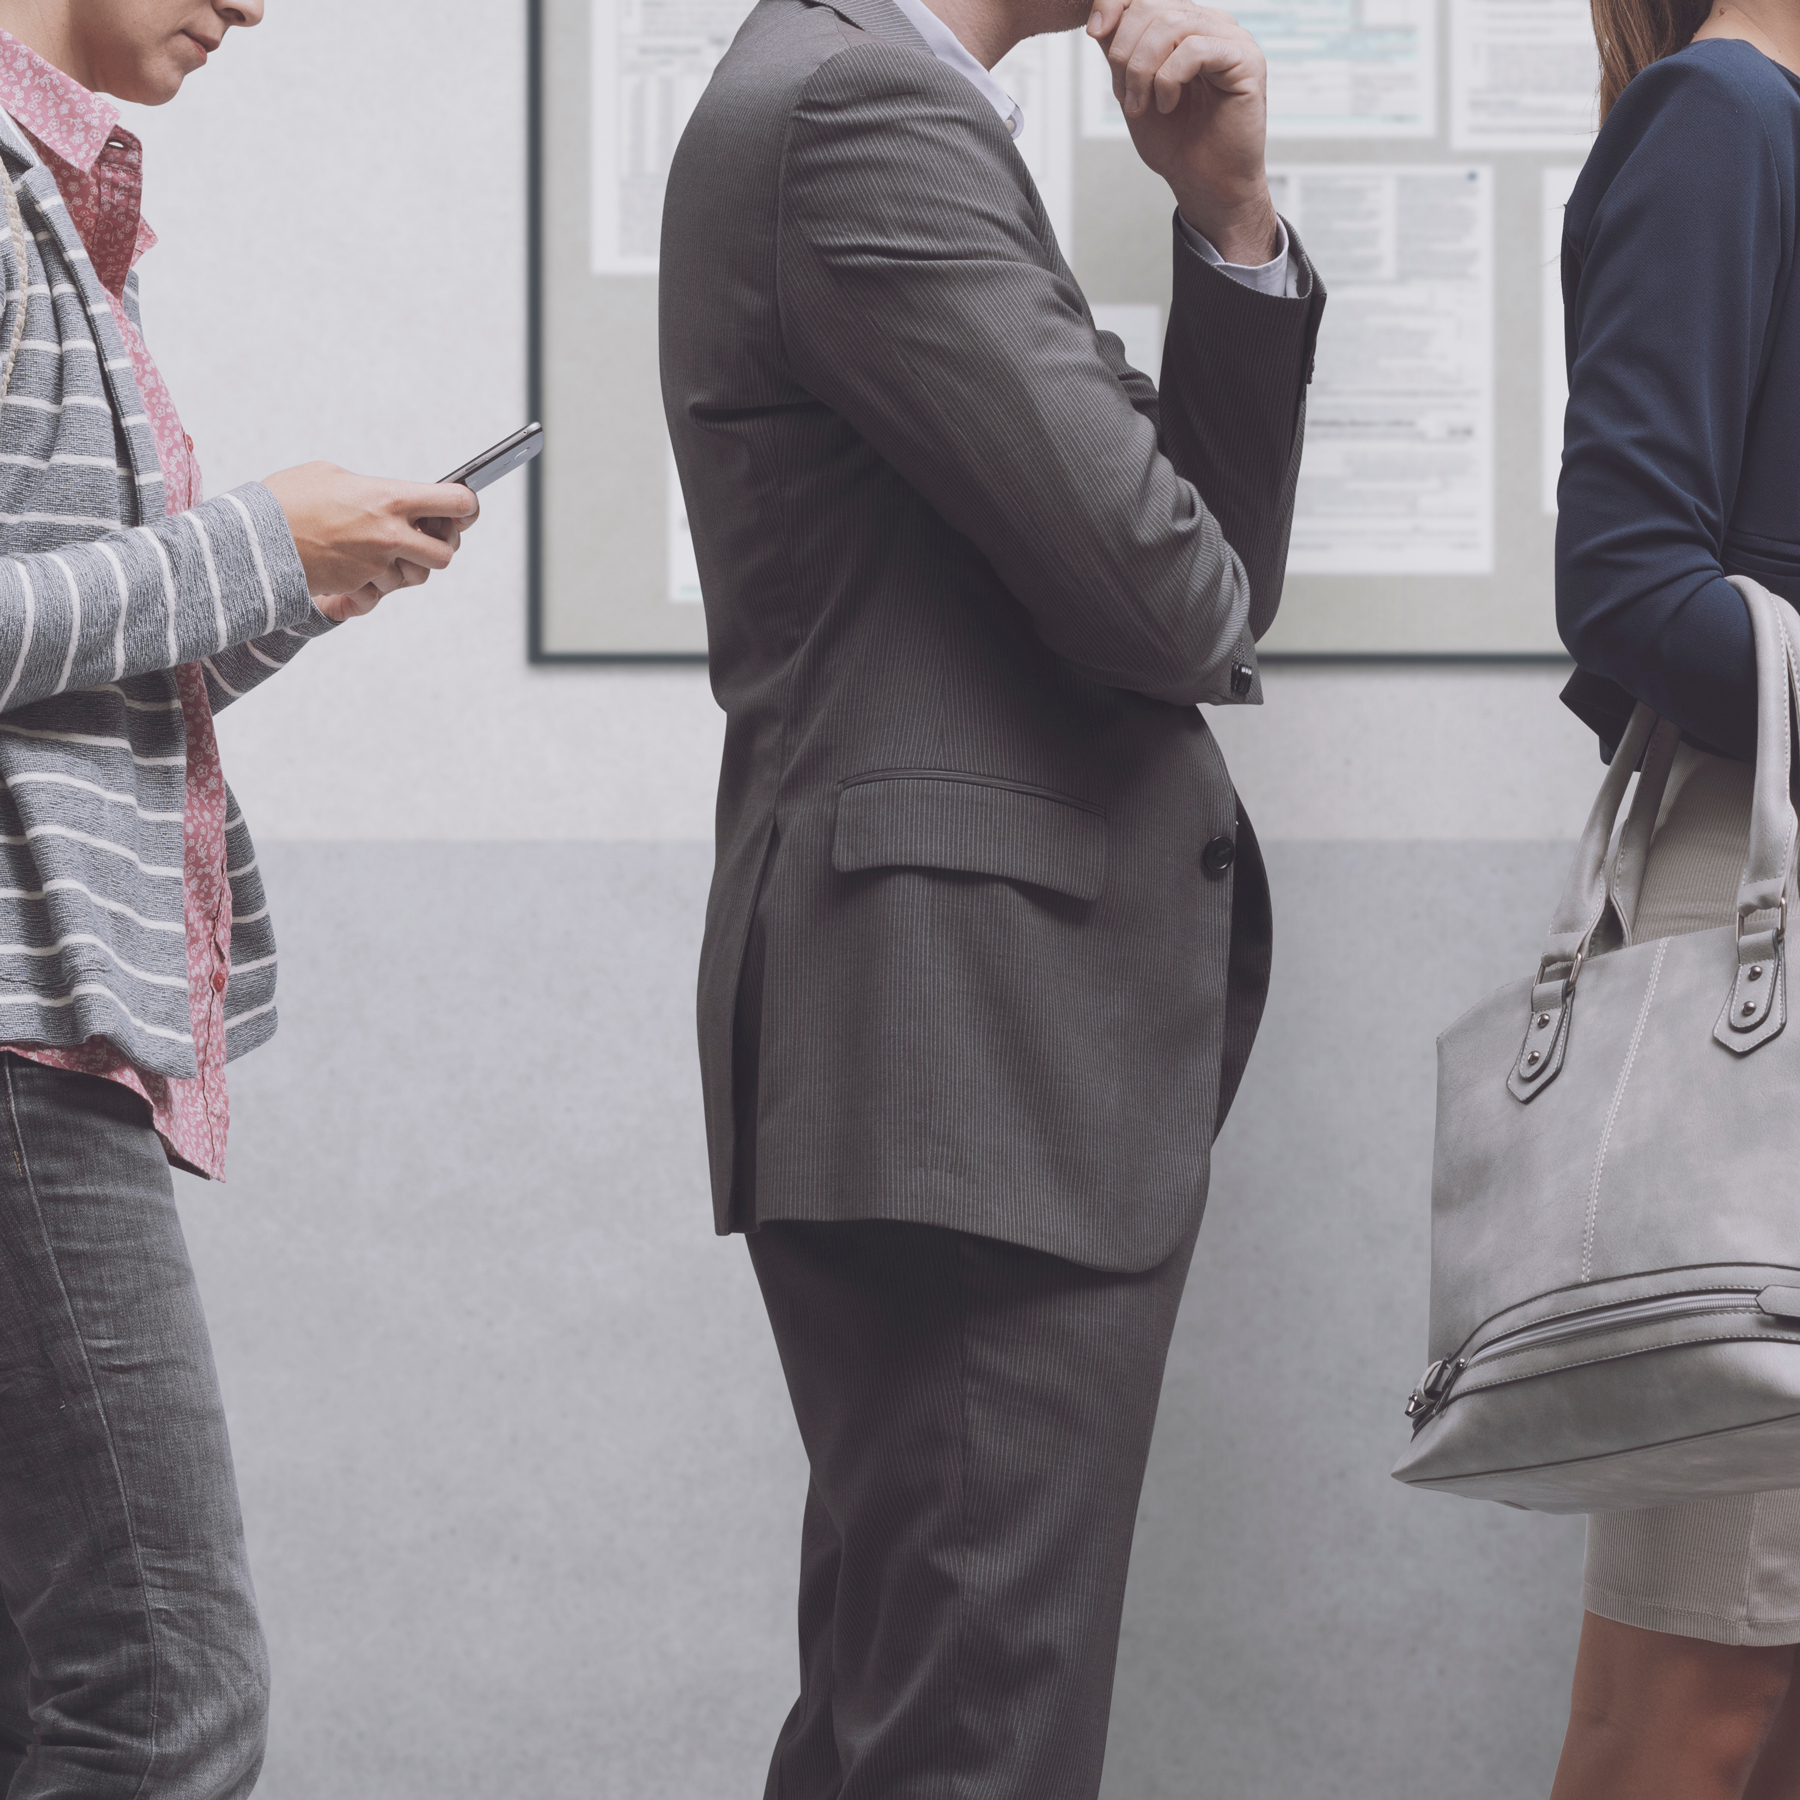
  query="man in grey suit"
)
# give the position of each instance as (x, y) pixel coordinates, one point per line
(989, 935)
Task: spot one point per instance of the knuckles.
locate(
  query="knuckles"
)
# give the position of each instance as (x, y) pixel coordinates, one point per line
(1167, 24)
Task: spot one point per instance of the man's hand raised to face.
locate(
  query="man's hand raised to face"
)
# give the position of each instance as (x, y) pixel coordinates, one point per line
(1193, 85)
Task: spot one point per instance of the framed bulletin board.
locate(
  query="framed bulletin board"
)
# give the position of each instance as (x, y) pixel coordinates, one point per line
(1422, 149)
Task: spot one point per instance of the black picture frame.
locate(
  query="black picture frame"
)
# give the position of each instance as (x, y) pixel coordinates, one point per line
(536, 653)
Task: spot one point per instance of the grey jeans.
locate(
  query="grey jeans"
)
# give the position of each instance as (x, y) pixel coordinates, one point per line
(132, 1664)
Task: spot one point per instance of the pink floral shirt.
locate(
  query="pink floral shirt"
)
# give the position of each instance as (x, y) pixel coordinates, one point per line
(99, 170)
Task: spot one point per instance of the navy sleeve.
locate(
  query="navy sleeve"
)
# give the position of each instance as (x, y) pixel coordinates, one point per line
(1670, 283)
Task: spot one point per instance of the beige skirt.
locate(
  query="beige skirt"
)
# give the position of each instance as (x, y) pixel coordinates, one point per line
(1725, 1570)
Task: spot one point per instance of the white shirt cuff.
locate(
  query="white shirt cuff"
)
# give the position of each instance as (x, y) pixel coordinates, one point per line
(1269, 278)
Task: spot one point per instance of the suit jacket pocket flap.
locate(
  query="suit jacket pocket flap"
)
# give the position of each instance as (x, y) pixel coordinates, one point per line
(972, 826)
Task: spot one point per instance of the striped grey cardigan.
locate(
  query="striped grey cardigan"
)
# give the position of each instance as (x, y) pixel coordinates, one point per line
(102, 596)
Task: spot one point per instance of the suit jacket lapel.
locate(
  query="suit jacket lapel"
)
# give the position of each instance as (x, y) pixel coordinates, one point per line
(880, 18)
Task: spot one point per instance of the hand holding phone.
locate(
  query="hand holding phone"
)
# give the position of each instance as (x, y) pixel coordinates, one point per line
(487, 468)
(360, 537)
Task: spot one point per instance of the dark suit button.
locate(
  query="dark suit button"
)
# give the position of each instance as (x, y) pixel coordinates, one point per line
(1218, 856)
(1241, 678)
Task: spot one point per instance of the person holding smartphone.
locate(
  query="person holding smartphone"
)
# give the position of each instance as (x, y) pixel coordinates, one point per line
(135, 950)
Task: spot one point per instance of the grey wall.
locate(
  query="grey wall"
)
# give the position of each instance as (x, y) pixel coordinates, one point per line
(1299, 1626)
(522, 1490)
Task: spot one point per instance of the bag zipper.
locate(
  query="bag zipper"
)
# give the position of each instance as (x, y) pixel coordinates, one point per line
(1607, 1318)
(1433, 1391)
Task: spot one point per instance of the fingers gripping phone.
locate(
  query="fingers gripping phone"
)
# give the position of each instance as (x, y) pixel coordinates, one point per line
(509, 454)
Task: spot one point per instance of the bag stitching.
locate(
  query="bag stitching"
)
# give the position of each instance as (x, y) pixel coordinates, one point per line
(1463, 1391)
(1575, 1312)
(1705, 1312)
(1574, 1287)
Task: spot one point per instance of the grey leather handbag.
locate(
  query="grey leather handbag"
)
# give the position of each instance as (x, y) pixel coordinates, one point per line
(1615, 1291)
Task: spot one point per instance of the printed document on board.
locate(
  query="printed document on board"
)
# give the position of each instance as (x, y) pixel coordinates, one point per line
(1524, 75)
(652, 61)
(1398, 472)
(1337, 69)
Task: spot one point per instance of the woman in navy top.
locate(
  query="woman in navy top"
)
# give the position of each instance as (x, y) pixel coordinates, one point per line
(1681, 466)
(1681, 451)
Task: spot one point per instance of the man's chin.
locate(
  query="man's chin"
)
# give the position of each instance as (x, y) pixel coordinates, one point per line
(1049, 17)
(151, 87)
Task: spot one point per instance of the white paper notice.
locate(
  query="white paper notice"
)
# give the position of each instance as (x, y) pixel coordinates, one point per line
(652, 61)
(684, 569)
(1039, 75)
(1139, 329)
(1337, 69)
(1524, 75)
(1558, 184)
(1398, 475)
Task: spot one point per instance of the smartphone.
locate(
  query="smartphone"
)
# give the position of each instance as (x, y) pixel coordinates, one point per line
(509, 454)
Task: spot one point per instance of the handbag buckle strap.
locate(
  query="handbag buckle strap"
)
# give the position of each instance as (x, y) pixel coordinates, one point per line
(1549, 962)
(1756, 1006)
(1780, 929)
(1540, 1057)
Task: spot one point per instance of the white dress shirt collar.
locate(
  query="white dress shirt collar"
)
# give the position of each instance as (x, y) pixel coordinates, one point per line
(947, 47)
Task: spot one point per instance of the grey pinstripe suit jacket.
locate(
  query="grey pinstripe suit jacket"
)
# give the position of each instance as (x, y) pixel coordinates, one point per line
(966, 576)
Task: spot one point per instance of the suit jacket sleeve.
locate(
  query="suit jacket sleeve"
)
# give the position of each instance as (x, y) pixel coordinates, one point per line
(919, 301)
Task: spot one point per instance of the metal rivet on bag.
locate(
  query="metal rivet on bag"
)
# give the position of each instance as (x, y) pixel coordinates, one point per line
(1749, 1008)
(1543, 1020)
(1756, 971)
(1536, 1057)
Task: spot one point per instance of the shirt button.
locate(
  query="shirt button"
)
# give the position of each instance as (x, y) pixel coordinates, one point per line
(220, 978)
(1218, 856)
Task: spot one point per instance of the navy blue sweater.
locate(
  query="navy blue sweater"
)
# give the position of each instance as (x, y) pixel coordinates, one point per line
(1681, 461)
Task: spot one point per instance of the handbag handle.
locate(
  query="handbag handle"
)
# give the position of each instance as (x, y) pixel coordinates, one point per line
(1583, 900)
(1768, 868)
(1633, 855)
(1632, 858)
(1756, 1009)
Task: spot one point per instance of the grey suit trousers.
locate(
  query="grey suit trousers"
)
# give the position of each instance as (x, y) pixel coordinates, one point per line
(977, 1417)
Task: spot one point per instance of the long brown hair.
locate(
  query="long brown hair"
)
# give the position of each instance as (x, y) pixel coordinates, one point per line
(1635, 33)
